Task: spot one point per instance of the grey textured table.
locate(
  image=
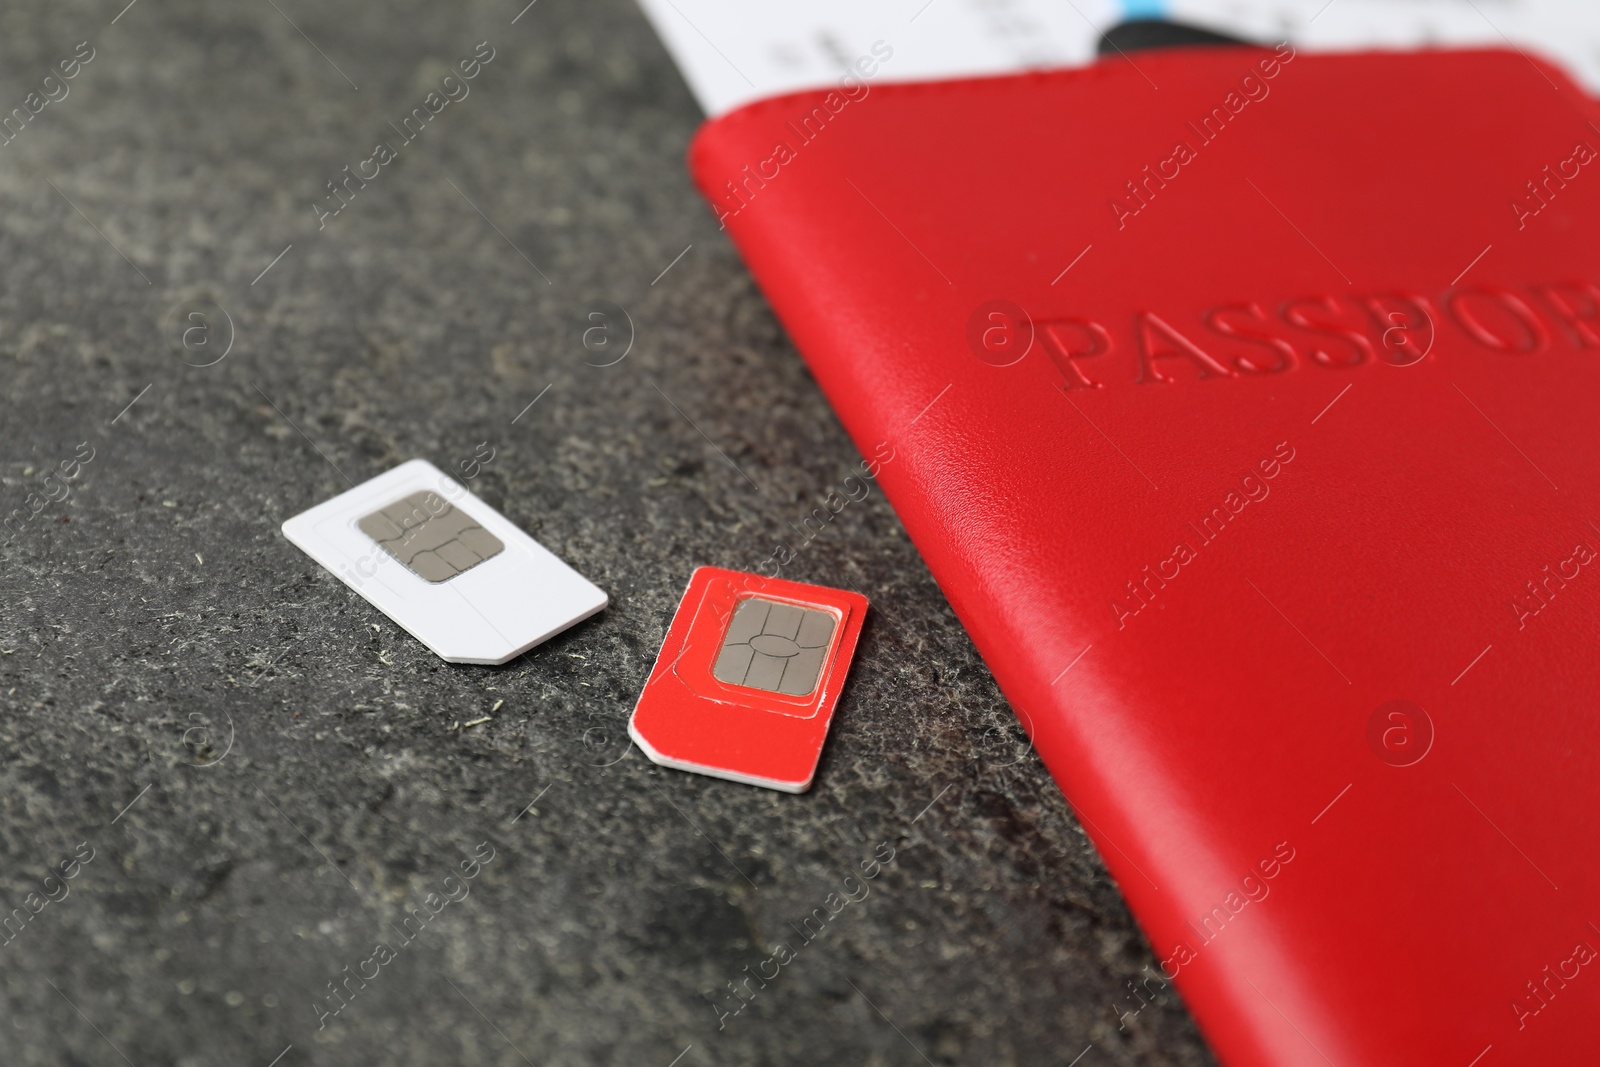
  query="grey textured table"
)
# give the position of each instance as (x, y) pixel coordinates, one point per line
(269, 777)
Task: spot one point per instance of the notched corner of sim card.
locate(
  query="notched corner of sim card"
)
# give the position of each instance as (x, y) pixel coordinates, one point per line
(660, 759)
(296, 529)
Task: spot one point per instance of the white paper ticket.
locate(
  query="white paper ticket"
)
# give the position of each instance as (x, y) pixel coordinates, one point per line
(733, 52)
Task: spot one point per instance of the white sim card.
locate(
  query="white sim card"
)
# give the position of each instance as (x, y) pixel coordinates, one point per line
(451, 570)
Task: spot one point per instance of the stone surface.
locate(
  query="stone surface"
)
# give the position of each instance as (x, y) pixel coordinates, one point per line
(269, 776)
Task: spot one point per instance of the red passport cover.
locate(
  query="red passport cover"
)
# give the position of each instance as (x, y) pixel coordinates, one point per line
(1280, 535)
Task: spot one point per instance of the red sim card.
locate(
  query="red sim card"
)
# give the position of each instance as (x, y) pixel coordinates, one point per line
(747, 679)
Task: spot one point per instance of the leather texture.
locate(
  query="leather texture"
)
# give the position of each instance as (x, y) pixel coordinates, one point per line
(1280, 537)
